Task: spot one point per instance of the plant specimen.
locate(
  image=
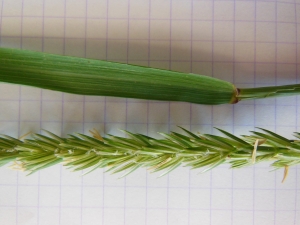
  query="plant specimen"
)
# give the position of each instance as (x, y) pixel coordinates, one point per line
(96, 77)
(126, 154)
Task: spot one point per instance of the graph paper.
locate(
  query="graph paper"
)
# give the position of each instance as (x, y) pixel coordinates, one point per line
(249, 43)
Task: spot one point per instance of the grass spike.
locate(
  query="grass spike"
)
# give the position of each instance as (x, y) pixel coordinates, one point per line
(126, 154)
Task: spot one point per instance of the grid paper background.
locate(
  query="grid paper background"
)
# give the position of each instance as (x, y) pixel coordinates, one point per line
(249, 43)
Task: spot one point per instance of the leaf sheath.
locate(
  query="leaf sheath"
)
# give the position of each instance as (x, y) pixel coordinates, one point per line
(95, 77)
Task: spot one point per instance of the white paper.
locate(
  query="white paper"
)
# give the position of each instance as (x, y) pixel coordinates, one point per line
(249, 43)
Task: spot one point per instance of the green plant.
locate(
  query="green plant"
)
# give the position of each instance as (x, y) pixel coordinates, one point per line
(120, 154)
(96, 77)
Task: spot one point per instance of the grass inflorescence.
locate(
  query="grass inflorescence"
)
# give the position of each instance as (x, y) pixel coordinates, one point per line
(119, 154)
